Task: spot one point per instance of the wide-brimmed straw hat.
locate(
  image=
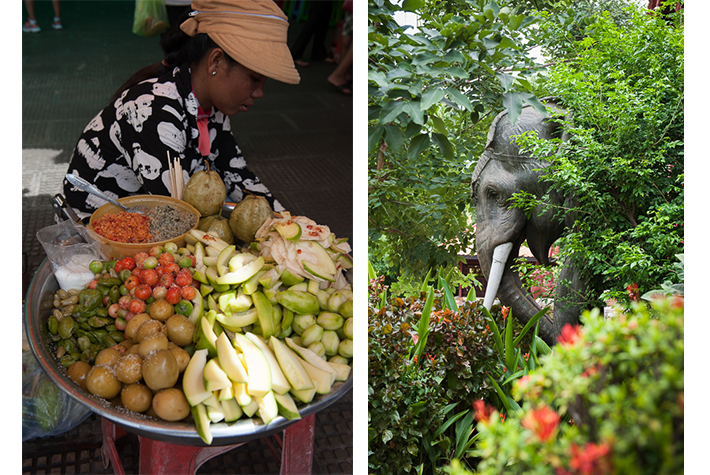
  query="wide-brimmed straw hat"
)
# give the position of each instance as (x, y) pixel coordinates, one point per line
(252, 32)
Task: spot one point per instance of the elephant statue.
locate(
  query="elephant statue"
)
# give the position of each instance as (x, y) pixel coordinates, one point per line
(502, 171)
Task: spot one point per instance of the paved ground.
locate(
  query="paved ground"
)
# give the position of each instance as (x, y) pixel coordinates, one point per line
(298, 139)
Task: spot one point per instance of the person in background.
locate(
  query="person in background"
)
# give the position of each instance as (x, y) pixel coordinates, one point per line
(215, 66)
(341, 77)
(31, 26)
(175, 9)
(315, 27)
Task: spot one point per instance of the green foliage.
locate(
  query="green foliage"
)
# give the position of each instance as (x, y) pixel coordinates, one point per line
(668, 288)
(427, 364)
(624, 164)
(610, 396)
(432, 94)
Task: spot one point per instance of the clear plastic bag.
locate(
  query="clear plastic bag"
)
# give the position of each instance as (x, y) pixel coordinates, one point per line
(46, 409)
(70, 249)
(150, 18)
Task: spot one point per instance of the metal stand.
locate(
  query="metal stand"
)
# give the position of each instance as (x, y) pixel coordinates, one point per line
(163, 458)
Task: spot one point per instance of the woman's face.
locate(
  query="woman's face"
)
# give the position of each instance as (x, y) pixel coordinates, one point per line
(234, 88)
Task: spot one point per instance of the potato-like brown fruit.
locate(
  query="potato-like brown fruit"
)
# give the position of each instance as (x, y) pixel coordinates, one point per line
(160, 370)
(148, 328)
(161, 310)
(107, 357)
(151, 343)
(133, 324)
(206, 192)
(180, 329)
(248, 216)
(101, 381)
(171, 405)
(129, 368)
(136, 397)
(78, 371)
(217, 224)
(181, 356)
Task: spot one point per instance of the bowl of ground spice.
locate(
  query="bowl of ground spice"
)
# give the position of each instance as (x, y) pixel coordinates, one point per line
(124, 234)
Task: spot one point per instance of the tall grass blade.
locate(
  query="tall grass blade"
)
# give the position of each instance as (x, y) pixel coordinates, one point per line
(449, 300)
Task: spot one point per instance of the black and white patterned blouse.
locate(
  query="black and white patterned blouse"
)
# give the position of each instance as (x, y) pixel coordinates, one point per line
(124, 149)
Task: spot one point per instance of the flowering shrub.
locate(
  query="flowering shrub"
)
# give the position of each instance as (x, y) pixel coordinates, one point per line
(410, 399)
(608, 400)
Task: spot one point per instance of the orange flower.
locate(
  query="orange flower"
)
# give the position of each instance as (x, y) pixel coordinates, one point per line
(543, 422)
(483, 411)
(570, 335)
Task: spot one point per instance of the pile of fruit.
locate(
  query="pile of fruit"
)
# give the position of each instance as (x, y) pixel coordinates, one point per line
(213, 331)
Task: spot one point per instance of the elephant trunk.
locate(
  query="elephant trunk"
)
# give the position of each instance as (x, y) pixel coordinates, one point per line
(497, 264)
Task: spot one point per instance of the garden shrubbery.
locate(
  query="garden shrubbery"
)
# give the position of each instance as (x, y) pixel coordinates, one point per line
(411, 398)
(608, 400)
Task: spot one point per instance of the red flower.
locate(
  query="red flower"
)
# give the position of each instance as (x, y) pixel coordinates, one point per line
(505, 311)
(593, 460)
(543, 422)
(483, 411)
(570, 335)
(633, 291)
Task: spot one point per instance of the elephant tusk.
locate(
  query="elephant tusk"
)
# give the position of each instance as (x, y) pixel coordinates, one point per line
(500, 256)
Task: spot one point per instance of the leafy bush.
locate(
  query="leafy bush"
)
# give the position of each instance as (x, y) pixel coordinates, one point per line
(413, 390)
(624, 162)
(608, 400)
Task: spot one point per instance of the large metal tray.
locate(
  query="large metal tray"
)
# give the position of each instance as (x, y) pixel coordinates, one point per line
(37, 309)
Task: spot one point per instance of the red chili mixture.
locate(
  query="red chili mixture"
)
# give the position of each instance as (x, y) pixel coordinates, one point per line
(124, 227)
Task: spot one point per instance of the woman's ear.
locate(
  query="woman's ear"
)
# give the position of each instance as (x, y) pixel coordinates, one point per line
(215, 60)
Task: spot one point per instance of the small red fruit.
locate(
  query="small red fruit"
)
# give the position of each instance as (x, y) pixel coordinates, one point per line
(159, 292)
(166, 258)
(131, 283)
(149, 277)
(174, 295)
(167, 280)
(128, 263)
(136, 306)
(188, 292)
(183, 278)
(139, 258)
(143, 292)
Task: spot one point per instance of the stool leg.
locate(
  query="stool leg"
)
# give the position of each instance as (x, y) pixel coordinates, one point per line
(109, 454)
(158, 458)
(297, 453)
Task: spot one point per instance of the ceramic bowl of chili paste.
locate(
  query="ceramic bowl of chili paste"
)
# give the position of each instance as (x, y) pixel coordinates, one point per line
(123, 234)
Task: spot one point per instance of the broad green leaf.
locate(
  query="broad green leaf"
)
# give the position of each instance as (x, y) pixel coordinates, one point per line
(447, 149)
(449, 300)
(448, 423)
(373, 136)
(377, 77)
(535, 102)
(394, 138)
(423, 327)
(415, 112)
(430, 97)
(391, 110)
(457, 72)
(529, 324)
(417, 145)
(509, 348)
(439, 124)
(412, 5)
(513, 104)
(460, 99)
(464, 428)
(506, 80)
(493, 326)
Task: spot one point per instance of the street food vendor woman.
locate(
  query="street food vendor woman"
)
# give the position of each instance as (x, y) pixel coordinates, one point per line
(215, 66)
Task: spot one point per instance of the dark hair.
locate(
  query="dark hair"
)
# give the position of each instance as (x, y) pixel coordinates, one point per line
(178, 48)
